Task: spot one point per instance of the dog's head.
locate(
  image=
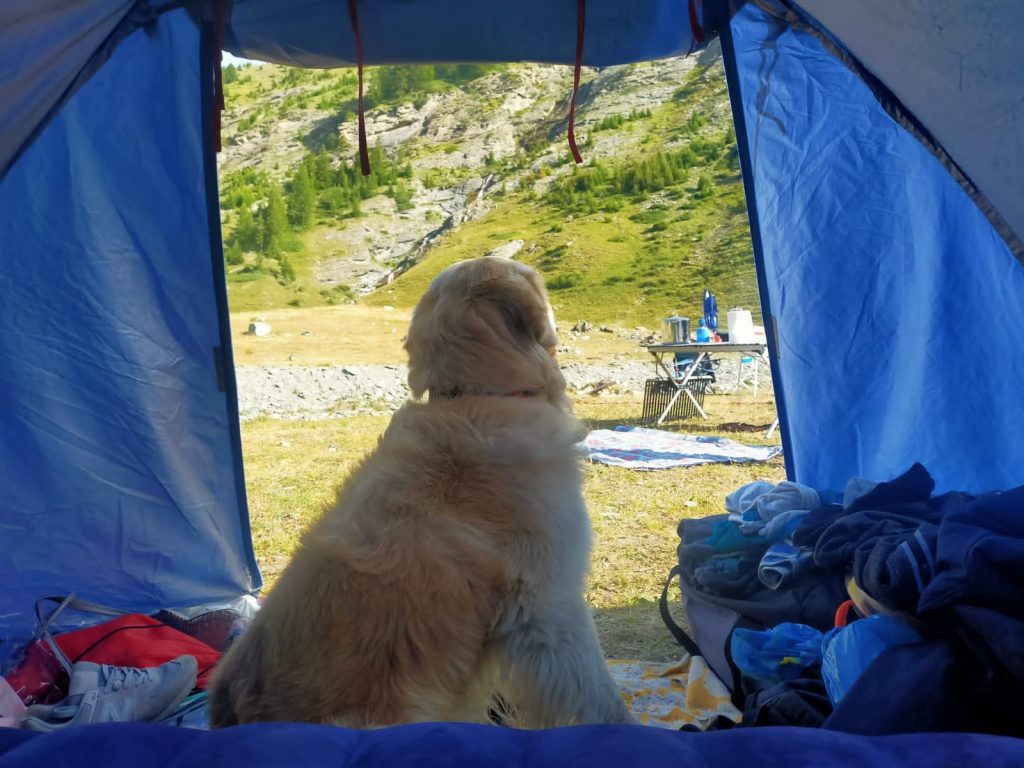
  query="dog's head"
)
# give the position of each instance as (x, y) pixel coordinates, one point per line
(485, 327)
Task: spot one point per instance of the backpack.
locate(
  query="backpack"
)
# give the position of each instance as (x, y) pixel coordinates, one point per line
(811, 599)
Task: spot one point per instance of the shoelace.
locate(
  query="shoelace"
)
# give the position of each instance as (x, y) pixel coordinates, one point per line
(118, 678)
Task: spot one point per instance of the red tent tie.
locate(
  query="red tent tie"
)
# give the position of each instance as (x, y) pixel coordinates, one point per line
(696, 30)
(581, 19)
(364, 153)
(219, 22)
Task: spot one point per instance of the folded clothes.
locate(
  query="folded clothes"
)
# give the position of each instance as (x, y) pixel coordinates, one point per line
(887, 537)
(815, 523)
(743, 498)
(782, 499)
(727, 537)
(781, 527)
(732, 576)
(783, 563)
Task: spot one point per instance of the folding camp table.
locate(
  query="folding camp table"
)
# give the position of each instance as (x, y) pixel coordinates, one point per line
(702, 351)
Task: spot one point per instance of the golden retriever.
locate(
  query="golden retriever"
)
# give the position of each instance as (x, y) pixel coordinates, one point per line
(451, 569)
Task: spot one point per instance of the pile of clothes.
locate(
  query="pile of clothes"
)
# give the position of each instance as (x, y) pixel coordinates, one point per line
(129, 668)
(927, 633)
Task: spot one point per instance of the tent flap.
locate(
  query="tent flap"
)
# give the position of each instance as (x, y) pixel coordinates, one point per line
(118, 464)
(894, 299)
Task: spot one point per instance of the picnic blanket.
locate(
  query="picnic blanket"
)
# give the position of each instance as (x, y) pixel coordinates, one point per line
(641, 448)
(673, 695)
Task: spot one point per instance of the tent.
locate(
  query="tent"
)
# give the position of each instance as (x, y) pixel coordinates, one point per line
(882, 149)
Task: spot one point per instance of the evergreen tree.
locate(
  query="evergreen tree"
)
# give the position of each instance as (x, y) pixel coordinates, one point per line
(301, 199)
(247, 234)
(403, 197)
(275, 223)
(233, 253)
(323, 176)
(287, 270)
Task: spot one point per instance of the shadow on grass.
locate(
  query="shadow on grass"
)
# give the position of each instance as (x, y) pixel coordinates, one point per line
(687, 426)
(636, 631)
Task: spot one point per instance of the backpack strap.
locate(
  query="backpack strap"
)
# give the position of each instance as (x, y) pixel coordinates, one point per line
(678, 632)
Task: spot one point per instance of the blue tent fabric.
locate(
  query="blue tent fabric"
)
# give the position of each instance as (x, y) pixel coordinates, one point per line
(317, 33)
(964, 94)
(462, 746)
(118, 457)
(52, 41)
(891, 296)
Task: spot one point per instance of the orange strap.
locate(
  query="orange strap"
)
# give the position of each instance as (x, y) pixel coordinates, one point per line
(843, 613)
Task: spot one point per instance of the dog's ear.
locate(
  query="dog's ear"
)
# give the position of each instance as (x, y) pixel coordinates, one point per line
(522, 304)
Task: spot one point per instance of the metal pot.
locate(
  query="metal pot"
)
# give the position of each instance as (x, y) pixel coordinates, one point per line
(675, 330)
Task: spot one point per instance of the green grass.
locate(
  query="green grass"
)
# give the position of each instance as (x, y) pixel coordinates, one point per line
(293, 468)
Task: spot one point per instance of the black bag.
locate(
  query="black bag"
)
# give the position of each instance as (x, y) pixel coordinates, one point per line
(811, 599)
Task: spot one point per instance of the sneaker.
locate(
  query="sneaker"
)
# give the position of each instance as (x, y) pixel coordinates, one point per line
(101, 693)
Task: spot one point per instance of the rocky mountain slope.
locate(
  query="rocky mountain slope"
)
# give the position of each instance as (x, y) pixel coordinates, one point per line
(470, 160)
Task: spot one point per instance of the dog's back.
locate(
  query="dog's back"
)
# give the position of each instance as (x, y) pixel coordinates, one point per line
(384, 614)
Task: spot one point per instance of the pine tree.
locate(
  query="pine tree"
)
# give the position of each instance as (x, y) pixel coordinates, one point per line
(247, 234)
(301, 198)
(324, 174)
(275, 223)
(233, 253)
(287, 270)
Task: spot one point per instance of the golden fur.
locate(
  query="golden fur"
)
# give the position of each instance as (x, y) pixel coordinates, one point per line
(451, 568)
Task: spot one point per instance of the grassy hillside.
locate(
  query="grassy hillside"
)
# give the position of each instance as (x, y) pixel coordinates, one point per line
(654, 215)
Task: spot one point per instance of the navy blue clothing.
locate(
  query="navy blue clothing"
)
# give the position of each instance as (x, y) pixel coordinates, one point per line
(979, 588)
(816, 523)
(802, 702)
(916, 484)
(928, 687)
(887, 538)
(968, 675)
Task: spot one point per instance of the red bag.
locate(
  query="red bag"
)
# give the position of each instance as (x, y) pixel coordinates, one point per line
(133, 640)
(136, 640)
(40, 678)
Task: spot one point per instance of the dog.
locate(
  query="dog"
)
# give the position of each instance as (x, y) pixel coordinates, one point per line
(449, 574)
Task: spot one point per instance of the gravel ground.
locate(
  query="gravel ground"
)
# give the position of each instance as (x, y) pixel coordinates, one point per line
(309, 392)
